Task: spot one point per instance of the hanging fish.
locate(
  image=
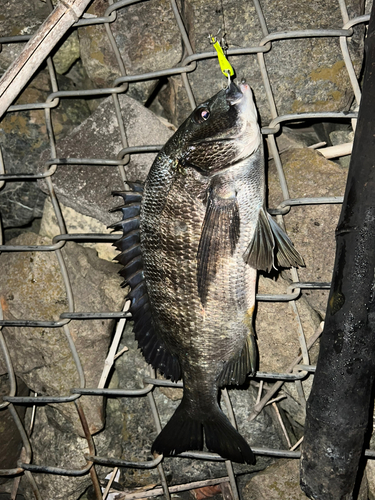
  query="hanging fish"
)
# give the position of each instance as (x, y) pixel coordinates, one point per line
(193, 239)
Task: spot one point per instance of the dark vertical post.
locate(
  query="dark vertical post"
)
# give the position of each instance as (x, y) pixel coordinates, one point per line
(339, 406)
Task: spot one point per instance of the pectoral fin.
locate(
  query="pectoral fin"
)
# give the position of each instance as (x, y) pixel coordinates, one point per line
(270, 246)
(286, 254)
(219, 236)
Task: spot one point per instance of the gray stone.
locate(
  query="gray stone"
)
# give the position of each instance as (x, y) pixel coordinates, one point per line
(147, 37)
(32, 288)
(306, 75)
(139, 431)
(88, 189)
(311, 227)
(19, 17)
(54, 443)
(23, 136)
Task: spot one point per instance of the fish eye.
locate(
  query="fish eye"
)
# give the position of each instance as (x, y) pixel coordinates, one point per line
(205, 114)
(201, 115)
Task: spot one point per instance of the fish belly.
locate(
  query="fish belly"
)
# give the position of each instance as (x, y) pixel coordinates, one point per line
(204, 337)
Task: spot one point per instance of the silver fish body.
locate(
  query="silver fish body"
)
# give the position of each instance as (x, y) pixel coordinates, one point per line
(203, 233)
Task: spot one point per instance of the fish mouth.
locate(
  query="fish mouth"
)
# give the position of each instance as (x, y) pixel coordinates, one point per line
(234, 94)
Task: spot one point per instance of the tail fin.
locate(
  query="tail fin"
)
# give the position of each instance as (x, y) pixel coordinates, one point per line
(184, 432)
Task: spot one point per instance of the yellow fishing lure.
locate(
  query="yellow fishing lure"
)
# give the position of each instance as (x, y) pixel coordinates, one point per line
(225, 66)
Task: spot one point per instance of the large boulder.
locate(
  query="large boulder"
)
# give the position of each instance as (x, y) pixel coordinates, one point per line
(87, 188)
(306, 74)
(33, 288)
(311, 227)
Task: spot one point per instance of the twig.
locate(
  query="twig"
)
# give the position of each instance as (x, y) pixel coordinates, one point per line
(112, 351)
(274, 405)
(112, 478)
(337, 151)
(38, 49)
(259, 406)
(297, 444)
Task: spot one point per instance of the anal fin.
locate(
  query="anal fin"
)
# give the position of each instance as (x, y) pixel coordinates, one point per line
(236, 370)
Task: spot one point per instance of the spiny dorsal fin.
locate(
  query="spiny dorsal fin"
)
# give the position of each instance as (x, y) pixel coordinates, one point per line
(270, 246)
(219, 236)
(152, 347)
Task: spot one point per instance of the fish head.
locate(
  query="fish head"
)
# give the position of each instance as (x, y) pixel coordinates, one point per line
(220, 132)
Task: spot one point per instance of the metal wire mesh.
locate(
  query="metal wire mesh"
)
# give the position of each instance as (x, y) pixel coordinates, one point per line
(300, 367)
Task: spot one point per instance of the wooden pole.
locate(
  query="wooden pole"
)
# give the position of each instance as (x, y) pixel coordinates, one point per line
(340, 404)
(38, 48)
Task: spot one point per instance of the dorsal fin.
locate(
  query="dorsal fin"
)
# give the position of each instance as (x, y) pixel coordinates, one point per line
(152, 347)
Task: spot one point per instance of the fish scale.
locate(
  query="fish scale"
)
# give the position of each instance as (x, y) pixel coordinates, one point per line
(203, 234)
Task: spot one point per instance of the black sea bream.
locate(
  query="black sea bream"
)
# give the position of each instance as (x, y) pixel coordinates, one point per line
(194, 237)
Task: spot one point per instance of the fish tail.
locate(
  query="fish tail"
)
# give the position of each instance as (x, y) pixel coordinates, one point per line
(222, 438)
(181, 433)
(184, 432)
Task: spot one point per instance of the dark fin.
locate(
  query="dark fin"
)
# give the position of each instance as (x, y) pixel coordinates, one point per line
(286, 254)
(152, 347)
(271, 246)
(236, 371)
(127, 225)
(219, 237)
(259, 253)
(135, 186)
(128, 240)
(222, 438)
(183, 432)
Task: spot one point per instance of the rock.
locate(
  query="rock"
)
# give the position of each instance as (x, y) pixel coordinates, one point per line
(67, 53)
(370, 474)
(138, 428)
(11, 442)
(54, 443)
(280, 481)
(147, 37)
(277, 332)
(76, 223)
(23, 136)
(87, 189)
(32, 288)
(19, 18)
(300, 83)
(277, 329)
(311, 227)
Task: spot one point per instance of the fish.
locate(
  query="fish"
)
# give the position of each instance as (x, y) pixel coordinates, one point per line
(194, 236)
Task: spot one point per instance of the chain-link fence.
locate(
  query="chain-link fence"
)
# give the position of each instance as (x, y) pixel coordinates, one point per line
(300, 367)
